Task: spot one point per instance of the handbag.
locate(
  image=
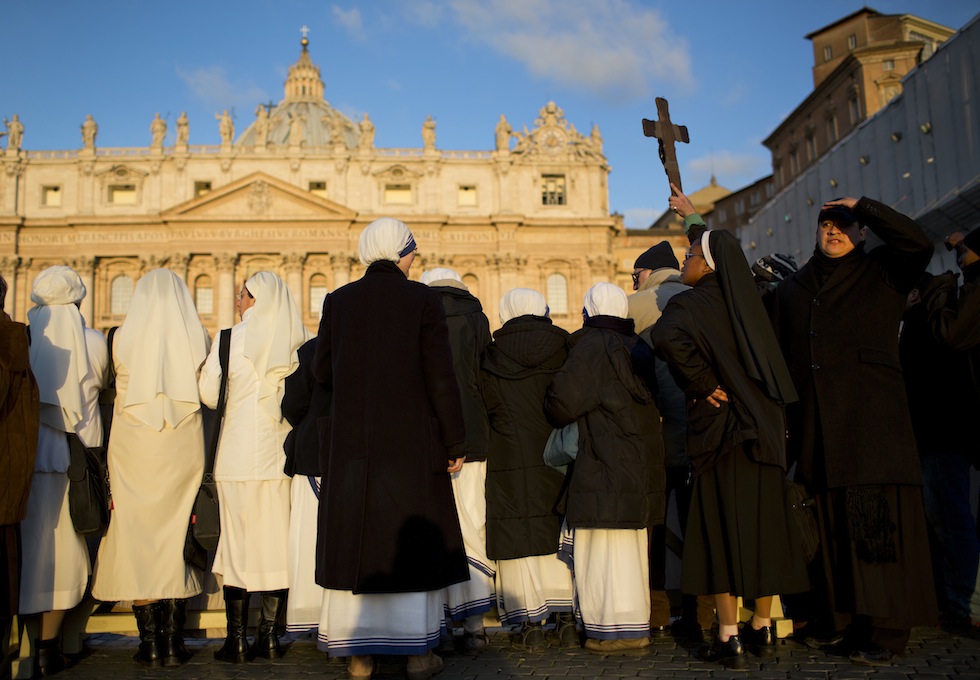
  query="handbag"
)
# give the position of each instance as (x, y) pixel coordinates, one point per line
(204, 528)
(802, 509)
(88, 487)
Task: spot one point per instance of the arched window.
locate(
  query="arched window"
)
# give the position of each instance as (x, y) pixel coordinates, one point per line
(557, 294)
(120, 294)
(318, 291)
(204, 295)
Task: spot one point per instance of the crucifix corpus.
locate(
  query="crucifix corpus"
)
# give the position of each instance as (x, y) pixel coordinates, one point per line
(667, 135)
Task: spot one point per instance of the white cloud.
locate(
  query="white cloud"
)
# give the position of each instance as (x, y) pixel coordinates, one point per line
(350, 19)
(732, 170)
(613, 48)
(639, 218)
(423, 13)
(211, 85)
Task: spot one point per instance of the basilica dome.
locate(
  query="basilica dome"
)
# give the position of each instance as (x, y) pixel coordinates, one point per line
(303, 117)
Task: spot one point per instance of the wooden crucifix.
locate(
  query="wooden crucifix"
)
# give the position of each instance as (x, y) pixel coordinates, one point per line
(667, 134)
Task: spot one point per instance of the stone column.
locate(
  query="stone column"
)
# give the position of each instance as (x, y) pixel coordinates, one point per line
(21, 287)
(177, 263)
(85, 266)
(340, 263)
(509, 264)
(601, 268)
(8, 267)
(225, 292)
(292, 265)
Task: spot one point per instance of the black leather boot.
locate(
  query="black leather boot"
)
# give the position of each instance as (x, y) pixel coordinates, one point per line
(173, 614)
(148, 622)
(266, 644)
(235, 649)
(48, 658)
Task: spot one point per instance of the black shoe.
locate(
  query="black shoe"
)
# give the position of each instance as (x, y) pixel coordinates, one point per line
(266, 645)
(148, 622)
(659, 632)
(235, 649)
(833, 644)
(173, 614)
(872, 655)
(759, 641)
(730, 654)
(48, 658)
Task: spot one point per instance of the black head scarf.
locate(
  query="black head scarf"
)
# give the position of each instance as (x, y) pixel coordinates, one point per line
(757, 345)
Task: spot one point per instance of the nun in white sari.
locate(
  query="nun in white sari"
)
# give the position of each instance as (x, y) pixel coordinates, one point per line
(156, 459)
(253, 490)
(69, 362)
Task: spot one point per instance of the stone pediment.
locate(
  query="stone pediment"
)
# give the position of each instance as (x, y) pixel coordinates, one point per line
(258, 197)
(397, 173)
(121, 173)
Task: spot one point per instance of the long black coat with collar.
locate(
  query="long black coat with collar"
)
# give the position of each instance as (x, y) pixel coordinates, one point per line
(387, 520)
(840, 339)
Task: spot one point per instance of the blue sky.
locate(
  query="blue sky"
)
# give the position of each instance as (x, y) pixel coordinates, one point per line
(732, 70)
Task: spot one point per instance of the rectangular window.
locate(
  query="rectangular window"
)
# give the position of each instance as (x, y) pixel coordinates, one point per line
(51, 196)
(739, 206)
(754, 198)
(317, 293)
(398, 193)
(811, 149)
(769, 190)
(122, 194)
(204, 301)
(852, 41)
(832, 129)
(888, 65)
(553, 190)
(466, 196)
(201, 188)
(854, 106)
(318, 189)
(828, 53)
(794, 164)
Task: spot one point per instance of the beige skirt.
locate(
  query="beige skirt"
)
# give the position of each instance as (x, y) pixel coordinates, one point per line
(254, 545)
(142, 554)
(55, 558)
(305, 596)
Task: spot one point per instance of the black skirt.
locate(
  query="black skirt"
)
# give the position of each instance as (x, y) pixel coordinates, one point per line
(740, 539)
(895, 592)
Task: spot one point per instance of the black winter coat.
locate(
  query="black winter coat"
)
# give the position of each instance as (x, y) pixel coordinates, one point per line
(955, 322)
(303, 402)
(521, 490)
(607, 384)
(840, 339)
(469, 335)
(387, 520)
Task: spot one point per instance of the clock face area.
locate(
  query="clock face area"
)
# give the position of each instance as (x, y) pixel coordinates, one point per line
(552, 140)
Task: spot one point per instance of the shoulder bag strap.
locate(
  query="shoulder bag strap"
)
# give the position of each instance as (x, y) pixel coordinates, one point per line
(224, 353)
(112, 365)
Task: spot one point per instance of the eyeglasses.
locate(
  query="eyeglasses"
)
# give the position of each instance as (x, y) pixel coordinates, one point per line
(636, 275)
(688, 256)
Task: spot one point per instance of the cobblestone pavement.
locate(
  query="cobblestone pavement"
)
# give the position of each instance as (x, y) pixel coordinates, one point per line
(933, 655)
